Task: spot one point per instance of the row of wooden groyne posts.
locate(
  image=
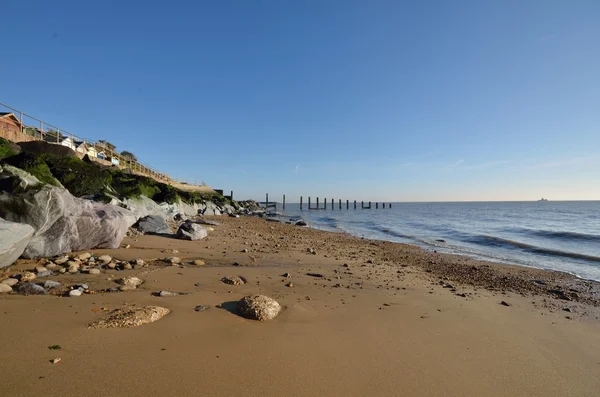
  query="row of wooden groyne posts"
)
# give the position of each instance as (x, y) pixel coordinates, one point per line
(268, 204)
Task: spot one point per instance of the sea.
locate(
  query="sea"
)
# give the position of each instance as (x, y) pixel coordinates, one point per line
(556, 235)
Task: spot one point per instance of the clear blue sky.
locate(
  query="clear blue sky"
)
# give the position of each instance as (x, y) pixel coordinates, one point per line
(373, 100)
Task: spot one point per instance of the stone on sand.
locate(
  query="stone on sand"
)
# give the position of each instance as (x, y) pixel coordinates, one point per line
(105, 259)
(128, 317)
(4, 288)
(130, 281)
(28, 276)
(191, 231)
(235, 280)
(31, 289)
(258, 307)
(9, 281)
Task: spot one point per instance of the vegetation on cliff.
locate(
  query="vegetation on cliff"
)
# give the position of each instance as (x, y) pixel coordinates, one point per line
(52, 164)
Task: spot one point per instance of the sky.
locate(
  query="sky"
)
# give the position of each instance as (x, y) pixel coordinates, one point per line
(361, 100)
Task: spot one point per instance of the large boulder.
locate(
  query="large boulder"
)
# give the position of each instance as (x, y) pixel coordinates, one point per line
(211, 209)
(14, 238)
(258, 307)
(191, 231)
(153, 224)
(62, 222)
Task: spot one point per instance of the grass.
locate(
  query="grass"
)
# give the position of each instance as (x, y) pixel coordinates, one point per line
(6, 149)
(34, 165)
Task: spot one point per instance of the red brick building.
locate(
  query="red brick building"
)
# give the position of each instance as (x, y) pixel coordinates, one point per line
(12, 129)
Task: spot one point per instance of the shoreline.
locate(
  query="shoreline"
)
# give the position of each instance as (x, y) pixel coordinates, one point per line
(362, 317)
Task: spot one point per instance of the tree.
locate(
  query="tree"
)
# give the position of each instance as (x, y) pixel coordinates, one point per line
(128, 156)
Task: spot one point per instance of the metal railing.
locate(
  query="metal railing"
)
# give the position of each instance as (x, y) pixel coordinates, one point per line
(53, 134)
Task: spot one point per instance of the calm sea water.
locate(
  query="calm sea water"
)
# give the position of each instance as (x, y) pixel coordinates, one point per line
(561, 236)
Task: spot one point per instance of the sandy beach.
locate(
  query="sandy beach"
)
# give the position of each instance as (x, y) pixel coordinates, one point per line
(360, 318)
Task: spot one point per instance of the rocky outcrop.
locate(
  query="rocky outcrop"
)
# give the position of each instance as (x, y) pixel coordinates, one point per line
(14, 238)
(258, 307)
(62, 222)
(128, 317)
(153, 224)
(191, 231)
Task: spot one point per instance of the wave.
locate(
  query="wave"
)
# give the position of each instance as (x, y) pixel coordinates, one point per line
(564, 235)
(499, 241)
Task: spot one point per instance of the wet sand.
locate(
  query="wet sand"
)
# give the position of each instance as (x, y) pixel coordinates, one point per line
(385, 320)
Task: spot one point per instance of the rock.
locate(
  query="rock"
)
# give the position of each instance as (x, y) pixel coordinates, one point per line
(61, 260)
(83, 257)
(191, 231)
(201, 308)
(127, 287)
(163, 294)
(52, 266)
(5, 288)
(91, 261)
(245, 250)
(258, 307)
(128, 317)
(62, 222)
(234, 216)
(318, 275)
(73, 263)
(130, 281)
(47, 273)
(40, 269)
(139, 262)
(286, 275)
(206, 222)
(503, 303)
(173, 260)
(199, 262)
(28, 276)
(31, 289)
(153, 224)
(235, 280)
(75, 292)
(9, 281)
(290, 285)
(300, 223)
(94, 271)
(112, 265)
(127, 266)
(50, 284)
(105, 259)
(83, 287)
(73, 269)
(14, 238)
(55, 360)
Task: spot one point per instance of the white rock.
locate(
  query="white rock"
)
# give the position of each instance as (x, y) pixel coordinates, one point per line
(83, 257)
(9, 281)
(14, 238)
(40, 269)
(75, 292)
(105, 259)
(94, 271)
(62, 260)
(27, 276)
(130, 281)
(5, 288)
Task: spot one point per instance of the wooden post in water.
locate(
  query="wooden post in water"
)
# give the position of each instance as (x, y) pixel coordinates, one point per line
(331, 203)
(317, 203)
(390, 205)
(232, 195)
(340, 203)
(369, 205)
(300, 203)
(384, 205)
(377, 205)
(309, 202)
(284, 202)
(362, 204)
(354, 204)
(267, 202)
(347, 204)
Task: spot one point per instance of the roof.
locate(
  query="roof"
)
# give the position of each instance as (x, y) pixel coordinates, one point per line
(11, 115)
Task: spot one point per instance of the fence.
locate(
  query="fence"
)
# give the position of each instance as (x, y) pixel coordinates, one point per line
(24, 128)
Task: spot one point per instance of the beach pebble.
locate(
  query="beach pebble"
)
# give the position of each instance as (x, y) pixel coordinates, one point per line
(47, 273)
(40, 269)
(300, 223)
(163, 294)
(28, 276)
(73, 269)
(105, 259)
(127, 287)
(50, 284)
(130, 281)
(235, 280)
(52, 266)
(503, 303)
(83, 257)
(127, 266)
(112, 265)
(245, 250)
(5, 288)
(286, 275)
(201, 308)
(199, 262)
(55, 361)
(290, 285)
(139, 262)
(173, 260)
(75, 292)
(61, 260)
(127, 246)
(31, 289)
(9, 281)
(258, 307)
(94, 271)
(73, 263)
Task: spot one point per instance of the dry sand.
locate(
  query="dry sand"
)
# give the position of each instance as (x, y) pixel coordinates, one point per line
(411, 323)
